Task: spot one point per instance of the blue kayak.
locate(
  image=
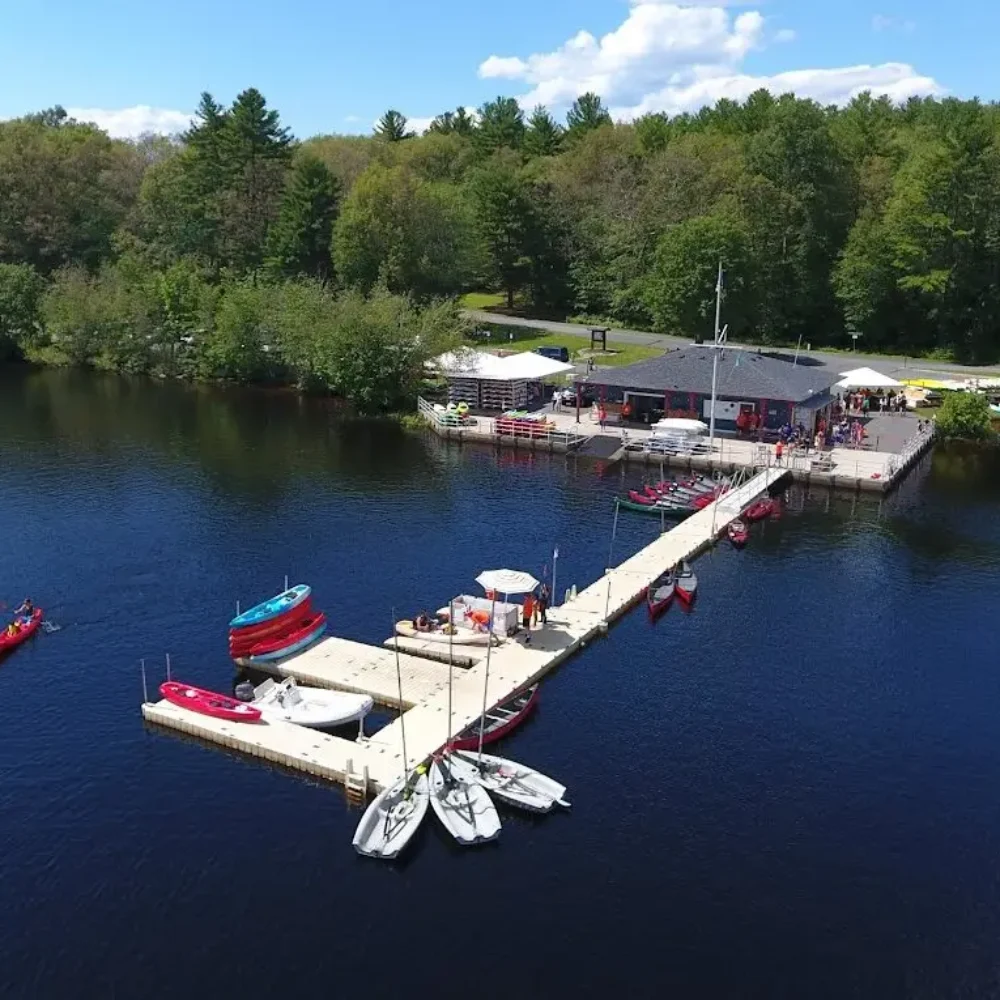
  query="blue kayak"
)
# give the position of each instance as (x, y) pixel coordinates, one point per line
(273, 608)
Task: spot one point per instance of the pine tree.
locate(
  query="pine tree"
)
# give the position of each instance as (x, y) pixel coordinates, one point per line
(587, 113)
(299, 241)
(544, 136)
(501, 123)
(391, 127)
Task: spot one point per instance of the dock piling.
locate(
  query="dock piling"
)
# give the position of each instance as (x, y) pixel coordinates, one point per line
(145, 693)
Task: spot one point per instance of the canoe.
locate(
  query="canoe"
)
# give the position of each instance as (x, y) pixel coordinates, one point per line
(392, 818)
(513, 783)
(669, 509)
(660, 593)
(464, 808)
(760, 509)
(208, 702)
(278, 643)
(738, 533)
(29, 626)
(686, 584)
(316, 708)
(499, 721)
(273, 608)
(292, 645)
(461, 636)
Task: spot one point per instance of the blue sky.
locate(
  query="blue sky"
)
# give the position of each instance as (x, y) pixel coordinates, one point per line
(332, 66)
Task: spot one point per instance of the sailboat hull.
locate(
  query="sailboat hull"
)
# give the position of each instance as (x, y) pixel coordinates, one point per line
(392, 818)
(463, 807)
(512, 783)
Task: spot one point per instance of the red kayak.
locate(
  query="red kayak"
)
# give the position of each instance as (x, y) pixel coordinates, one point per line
(28, 628)
(311, 624)
(241, 645)
(273, 626)
(499, 721)
(761, 509)
(739, 533)
(219, 706)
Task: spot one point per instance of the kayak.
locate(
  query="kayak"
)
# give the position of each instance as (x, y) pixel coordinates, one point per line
(660, 593)
(219, 706)
(290, 645)
(315, 623)
(270, 610)
(738, 533)
(241, 645)
(29, 626)
(686, 584)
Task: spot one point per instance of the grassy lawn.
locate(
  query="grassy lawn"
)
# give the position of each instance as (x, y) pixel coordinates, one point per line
(482, 300)
(527, 339)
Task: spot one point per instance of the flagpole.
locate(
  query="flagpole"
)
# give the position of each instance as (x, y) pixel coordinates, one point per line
(555, 563)
(715, 359)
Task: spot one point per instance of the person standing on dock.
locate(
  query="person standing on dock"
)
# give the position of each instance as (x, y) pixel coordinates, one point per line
(543, 603)
(779, 449)
(527, 613)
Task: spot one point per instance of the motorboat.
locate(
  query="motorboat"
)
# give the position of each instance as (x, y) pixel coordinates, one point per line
(316, 708)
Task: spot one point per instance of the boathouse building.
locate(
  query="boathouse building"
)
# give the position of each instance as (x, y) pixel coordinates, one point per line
(679, 384)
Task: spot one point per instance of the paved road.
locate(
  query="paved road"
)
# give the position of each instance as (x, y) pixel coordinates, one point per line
(900, 367)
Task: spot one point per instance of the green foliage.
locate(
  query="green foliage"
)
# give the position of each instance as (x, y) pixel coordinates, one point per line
(21, 289)
(965, 415)
(299, 241)
(681, 291)
(229, 252)
(406, 234)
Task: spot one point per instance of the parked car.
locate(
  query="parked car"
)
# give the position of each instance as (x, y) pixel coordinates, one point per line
(555, 353)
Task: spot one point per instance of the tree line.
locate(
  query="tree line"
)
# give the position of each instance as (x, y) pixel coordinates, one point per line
(237, 251)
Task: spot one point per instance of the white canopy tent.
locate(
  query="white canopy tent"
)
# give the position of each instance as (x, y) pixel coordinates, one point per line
(484, 380)
(867, 378)
(679, 425)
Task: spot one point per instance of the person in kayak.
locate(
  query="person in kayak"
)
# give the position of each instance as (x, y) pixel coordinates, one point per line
(13, 628)
(27, 608)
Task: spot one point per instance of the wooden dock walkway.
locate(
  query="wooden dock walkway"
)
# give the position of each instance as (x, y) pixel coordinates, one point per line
(350, 666)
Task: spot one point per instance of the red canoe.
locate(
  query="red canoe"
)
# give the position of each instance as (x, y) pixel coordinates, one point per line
(27, 630)
(761, 509)
(272, 645)
(739, 533)
(208, 702)
(273, 626)
(499, 721)
(240, 646)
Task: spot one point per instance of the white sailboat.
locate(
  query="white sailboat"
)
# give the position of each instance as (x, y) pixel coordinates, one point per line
(464, 808)
(513, 783)
(395, 815)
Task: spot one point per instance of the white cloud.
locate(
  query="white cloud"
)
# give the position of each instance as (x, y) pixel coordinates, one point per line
(881, 22)
(127, 123)
(671, 56)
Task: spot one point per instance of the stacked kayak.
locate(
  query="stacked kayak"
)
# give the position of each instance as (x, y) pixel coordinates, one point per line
(26, 628)
(279, 627)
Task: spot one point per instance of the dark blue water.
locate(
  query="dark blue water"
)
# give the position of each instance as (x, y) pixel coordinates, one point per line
(793, 791)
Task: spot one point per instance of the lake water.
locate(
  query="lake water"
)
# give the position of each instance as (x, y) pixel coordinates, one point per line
(793, 791)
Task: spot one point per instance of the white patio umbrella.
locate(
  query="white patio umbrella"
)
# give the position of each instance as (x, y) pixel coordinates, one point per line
(507, 581)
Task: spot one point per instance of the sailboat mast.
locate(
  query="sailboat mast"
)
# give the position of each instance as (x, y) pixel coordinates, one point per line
(451, 633)
(715, 356)
(399, 682)
(486, 682)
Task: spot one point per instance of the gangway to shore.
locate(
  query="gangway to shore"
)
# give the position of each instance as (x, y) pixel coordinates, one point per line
(345, 665)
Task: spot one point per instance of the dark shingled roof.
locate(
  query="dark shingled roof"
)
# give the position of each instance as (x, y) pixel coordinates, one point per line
(741, 373)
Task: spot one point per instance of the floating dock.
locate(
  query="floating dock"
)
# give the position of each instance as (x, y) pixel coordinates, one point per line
(351, 666)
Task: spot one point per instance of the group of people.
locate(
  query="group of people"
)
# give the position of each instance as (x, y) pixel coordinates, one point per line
(21, 618)
(535, 609)
(868, 401)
